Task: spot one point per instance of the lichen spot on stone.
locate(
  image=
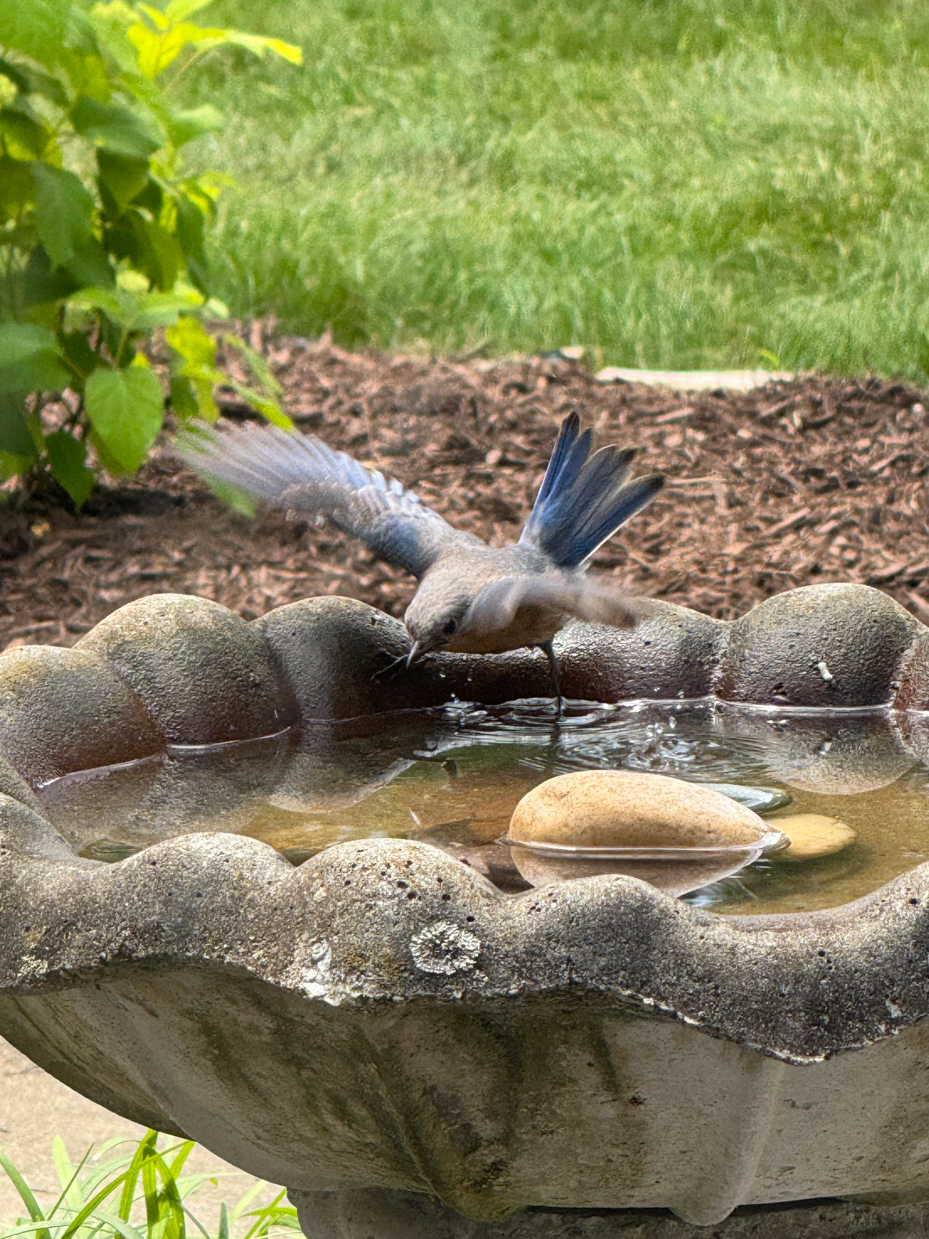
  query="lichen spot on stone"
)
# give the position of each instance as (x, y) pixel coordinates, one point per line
(444, 948)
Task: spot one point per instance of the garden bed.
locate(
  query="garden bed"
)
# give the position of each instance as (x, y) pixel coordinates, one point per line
(795, 483)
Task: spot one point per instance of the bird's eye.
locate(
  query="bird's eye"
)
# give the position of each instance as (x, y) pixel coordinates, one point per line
(450, 626)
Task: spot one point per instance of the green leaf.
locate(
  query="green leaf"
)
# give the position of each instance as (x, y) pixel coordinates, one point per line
(135, 311)
(126, 1229)
(67, 1175)
(90, 264)
(16, 75)
(115, 303)
(155, 16)
(29, 359)
(63, 211)
(267, 407)
(259, 45)
(122, 176)
(15, 439)
(67, 457)
(17, 188)
(192, 123)
(190, 234)
(110, 23)
(43, 28)
(119, 128)
(25, 1192)
(178, 10)
(41, 284)
(126, 410)
(25, 136)
(80, 355)
(158, 51)
(32, 82)
(189, 339)
(183, 401)
(259, 366)
(150, 248)
(160, 309)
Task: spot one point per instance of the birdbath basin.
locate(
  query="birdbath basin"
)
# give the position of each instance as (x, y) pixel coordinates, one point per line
(406, 1046)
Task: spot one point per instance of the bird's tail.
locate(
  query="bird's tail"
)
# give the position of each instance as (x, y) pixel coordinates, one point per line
(584, 498)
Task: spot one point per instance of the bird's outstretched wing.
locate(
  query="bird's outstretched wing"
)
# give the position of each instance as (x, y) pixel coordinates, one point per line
(299, 473)
(498, 603)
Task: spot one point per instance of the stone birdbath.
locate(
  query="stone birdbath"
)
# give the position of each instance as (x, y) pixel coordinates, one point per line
(412, 1051)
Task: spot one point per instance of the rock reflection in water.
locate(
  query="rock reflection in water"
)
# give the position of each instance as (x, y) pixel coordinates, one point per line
(829, 752)
(452, 777)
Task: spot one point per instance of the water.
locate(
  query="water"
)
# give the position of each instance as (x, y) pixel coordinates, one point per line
(452, 777)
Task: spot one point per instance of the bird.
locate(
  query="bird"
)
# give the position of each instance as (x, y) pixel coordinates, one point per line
(472, 598)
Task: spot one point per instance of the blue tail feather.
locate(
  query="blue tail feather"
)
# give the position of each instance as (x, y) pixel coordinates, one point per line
(584, 497)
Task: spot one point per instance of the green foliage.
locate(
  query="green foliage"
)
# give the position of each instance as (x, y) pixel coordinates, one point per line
(141, 1194)
(102, 233)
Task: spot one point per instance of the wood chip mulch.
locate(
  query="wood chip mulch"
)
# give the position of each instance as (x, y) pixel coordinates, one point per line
(795, 483)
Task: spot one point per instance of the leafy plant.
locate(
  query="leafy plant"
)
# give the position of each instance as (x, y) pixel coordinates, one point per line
(102, 234)
(107, 1198)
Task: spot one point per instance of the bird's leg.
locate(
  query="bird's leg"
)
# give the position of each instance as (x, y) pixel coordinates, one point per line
(556, 675)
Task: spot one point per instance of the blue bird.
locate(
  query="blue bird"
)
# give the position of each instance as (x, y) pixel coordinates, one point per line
(472, 598)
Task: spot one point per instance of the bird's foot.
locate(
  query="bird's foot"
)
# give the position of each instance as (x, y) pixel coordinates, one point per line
(391, 668)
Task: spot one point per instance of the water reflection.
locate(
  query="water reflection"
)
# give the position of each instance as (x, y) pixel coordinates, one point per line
(451, 777)
(830, 752)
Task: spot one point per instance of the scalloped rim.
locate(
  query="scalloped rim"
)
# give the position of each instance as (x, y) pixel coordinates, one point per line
(614, 936)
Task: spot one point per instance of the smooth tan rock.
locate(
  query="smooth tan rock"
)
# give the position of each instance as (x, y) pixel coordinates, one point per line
(607, 808)
(812, 835)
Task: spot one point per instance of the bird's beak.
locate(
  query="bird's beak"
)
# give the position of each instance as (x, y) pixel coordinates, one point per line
(411, 657)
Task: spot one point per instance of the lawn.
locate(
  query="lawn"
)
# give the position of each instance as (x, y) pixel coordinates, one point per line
(677, 184)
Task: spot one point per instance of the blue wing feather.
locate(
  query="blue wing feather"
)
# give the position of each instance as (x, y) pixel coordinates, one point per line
(584, 498)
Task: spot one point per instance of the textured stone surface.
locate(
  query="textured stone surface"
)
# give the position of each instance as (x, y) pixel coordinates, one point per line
(382, 1016)
(380, 1214)
(671, 652)
(13, 784)
(822, 645)
(336, 654)
(204, 674)
(913, 691)
(65, 710)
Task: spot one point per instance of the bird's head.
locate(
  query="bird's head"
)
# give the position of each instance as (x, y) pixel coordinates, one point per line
(435, 618)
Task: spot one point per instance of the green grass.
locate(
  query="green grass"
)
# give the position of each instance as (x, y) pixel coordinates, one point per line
(673, 184)
(136, 1190)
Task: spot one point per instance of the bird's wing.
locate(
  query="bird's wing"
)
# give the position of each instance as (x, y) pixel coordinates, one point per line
(299, 473)
(584, 498)
(497, 603)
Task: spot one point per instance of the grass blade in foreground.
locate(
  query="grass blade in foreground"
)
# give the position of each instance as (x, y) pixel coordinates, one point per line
(152, 1198)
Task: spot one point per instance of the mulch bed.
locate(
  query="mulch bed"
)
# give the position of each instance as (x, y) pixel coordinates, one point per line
(795, 483)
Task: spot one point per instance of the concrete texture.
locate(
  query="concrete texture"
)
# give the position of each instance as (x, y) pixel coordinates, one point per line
(204, 674)
(383, 1017)
(377, 1214)
(821, 645)
(35, 1107)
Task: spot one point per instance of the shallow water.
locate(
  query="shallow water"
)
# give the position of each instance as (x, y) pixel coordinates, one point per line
(452, 777)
